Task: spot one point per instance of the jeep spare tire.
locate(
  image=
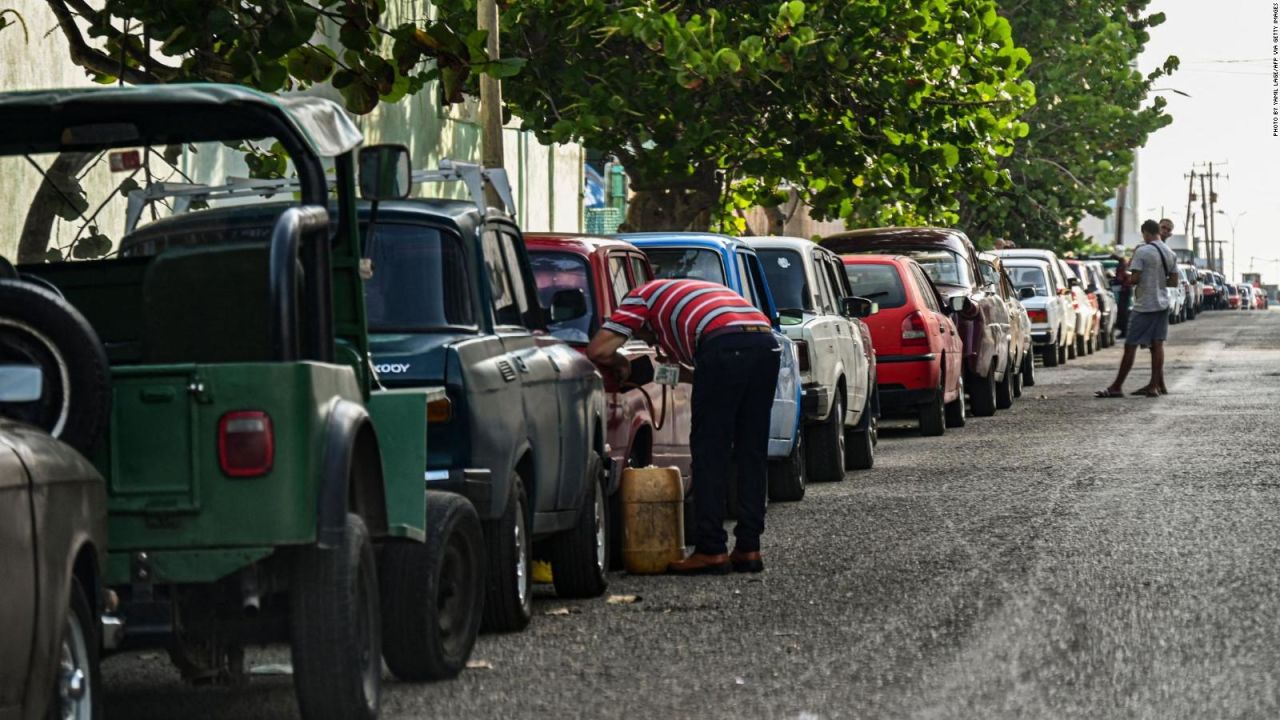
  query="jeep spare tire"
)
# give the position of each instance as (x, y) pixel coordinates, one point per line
(38, 327)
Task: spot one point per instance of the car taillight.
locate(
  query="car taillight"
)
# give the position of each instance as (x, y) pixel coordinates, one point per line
(1038, 316)
(914, 331)
(246, 443)
(802, 355)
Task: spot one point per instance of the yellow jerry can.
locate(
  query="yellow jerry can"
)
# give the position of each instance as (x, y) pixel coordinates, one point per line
(652, 519)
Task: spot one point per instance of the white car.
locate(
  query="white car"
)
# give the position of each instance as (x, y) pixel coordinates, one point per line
(1177, 300)
(815, 307)
(1086, 314)
(1246, 297)
(1194, 289)
(1053, 318)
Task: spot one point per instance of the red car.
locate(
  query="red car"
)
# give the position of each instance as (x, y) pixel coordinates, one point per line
(919, 352)
(647, 425)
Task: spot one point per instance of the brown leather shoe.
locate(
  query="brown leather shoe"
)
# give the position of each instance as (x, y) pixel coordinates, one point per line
(743, 561)
(701, 564)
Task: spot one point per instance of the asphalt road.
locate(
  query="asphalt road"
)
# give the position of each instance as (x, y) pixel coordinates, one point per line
(1068, 558)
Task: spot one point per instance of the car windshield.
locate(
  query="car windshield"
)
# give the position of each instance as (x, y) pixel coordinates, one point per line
(879, 283)
(1231, 290)
(686, 263)
(942, 266)
(555, 271)
(1032, 276)
(784, 269)
(419, 282)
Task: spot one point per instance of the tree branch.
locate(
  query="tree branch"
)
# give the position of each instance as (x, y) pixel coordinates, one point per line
(89, 58)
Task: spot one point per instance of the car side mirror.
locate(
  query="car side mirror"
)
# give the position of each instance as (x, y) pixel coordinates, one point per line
(959, 303)
(858, 307)
(1073, 282)
(385, 172)
(1026, 293)
(568, 304)
(21, 383)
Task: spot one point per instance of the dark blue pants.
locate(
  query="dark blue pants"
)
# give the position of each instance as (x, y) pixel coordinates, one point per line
(733, 383)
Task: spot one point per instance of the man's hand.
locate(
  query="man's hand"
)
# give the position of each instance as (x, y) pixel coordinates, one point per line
(603, 351)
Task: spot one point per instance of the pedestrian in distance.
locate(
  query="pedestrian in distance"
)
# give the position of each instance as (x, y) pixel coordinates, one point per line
(1125, 296)
(728, 347)
(1152, 269)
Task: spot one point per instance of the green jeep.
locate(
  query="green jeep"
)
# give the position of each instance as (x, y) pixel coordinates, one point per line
(262, 486)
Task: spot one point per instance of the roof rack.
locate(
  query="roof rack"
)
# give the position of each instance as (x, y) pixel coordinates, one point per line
(185, 194)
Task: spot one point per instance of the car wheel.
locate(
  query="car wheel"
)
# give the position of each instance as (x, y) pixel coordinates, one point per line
(1029, 370)
(432, 593)
(982, 393)
(787, 475)
(860, 442)
(38, 327)
(1016, 369)
(335, 628)
(956, 410)
(77, 686)
(580, 556)
(933, 417)
(1050, 355)
(1004, 390)
(1082, 346)
(508, 602)
(824, 452)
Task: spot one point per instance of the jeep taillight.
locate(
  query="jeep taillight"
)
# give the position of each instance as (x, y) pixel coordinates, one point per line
(802, 355)
(914, 331)
(439, 411)
(246, 443)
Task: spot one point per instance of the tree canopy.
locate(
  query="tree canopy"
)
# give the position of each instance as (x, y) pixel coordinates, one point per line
(272, 45)
(1092, 113)
(878, 111)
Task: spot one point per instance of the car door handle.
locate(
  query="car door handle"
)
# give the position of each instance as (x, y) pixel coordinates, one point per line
(519, 363)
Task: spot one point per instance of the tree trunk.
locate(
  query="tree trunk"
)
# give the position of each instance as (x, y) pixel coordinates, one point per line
(688, 206)
(38, 227)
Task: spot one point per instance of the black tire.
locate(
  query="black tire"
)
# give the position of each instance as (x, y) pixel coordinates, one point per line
(335, 628)
(1016, 369)
(787, 475)
(1050, 355)
(39, 327)
(580, 556)
(957, 412)
(860, 442)
(1082, 346)
(982, 394)
(508, 600)
(933, 416)
(1004, 390)
(1066, 352)
(77, 684)
(824, 451)
(433, 593)
(1029, 369)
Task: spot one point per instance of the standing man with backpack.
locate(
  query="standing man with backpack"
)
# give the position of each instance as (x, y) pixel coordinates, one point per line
(1153, 268)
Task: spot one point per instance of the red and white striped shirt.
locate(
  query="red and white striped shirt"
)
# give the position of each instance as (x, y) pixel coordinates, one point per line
(681, 312)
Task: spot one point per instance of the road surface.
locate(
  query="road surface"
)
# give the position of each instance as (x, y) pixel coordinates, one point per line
(1069, 558)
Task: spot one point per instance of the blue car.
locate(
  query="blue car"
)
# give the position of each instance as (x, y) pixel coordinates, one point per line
(731, 262)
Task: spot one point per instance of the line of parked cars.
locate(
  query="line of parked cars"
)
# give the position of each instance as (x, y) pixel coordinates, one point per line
(320, 411)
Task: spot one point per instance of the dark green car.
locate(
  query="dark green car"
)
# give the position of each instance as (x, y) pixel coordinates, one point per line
(261, 487)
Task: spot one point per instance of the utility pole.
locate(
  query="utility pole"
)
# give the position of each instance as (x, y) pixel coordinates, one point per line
(1204, 209)
(490, 100)
(1189, 225)
(1213, 198)
(1124, 190)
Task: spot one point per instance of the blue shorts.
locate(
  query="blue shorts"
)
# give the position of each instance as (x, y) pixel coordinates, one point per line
(1147, 327)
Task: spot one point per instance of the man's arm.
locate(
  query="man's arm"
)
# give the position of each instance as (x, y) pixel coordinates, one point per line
(603, 351)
